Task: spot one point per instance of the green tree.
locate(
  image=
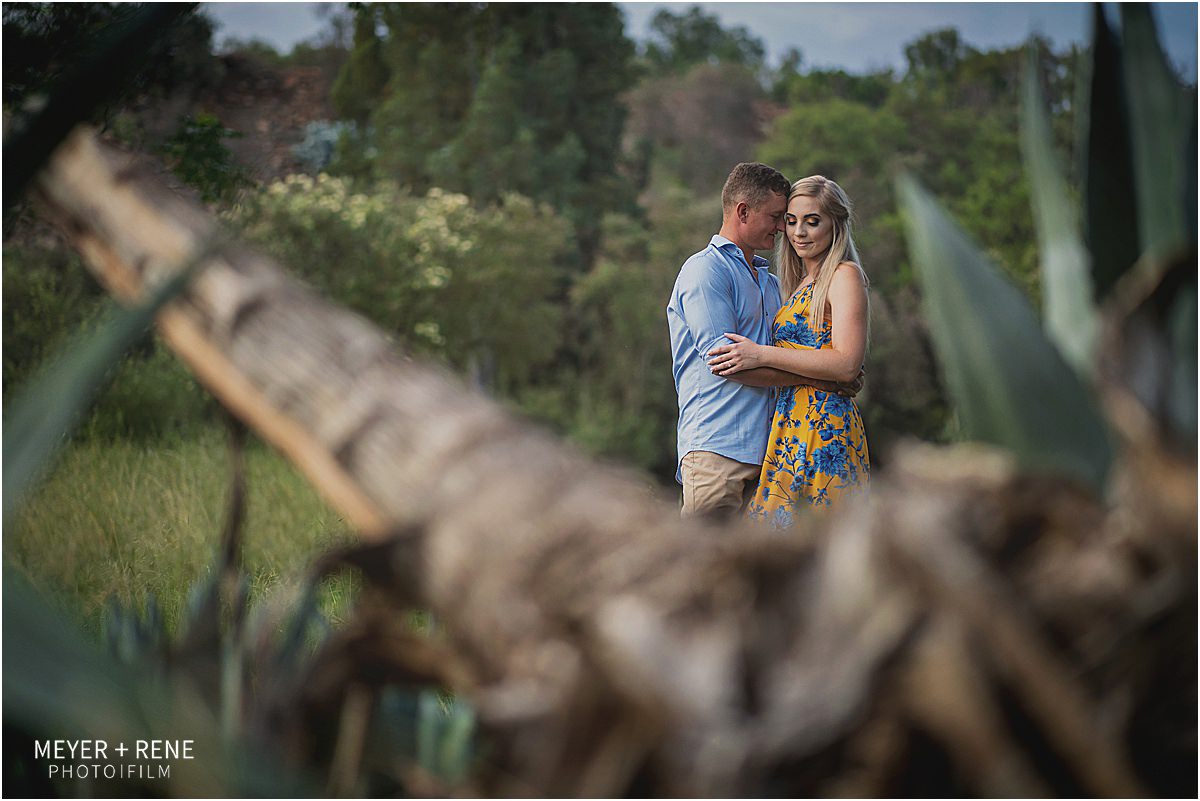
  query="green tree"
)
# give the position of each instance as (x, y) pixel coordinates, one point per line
(199, 158)
(934, 58)
(674, 125)
(490, 99)
(680, 41)
(41, 40)
(361, 80)
(793, 88)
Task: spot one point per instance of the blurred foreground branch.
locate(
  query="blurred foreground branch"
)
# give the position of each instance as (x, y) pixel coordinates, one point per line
(972, 631)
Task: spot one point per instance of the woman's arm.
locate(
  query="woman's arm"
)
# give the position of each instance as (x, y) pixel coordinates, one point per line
(772, 377)
(841, 362)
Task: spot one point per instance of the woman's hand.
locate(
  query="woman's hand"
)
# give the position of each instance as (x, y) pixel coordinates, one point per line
(743, 354)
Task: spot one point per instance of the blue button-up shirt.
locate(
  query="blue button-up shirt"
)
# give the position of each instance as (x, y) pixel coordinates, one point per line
(715, 292)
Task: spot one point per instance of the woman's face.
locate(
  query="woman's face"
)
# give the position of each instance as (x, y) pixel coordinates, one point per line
(808, 229)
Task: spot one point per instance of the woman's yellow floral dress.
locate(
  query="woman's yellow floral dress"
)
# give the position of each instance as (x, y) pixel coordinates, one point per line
(817, 454)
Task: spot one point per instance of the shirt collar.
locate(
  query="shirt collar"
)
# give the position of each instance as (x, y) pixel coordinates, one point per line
(722, 243)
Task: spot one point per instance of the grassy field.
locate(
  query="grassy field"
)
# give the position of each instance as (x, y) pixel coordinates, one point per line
(125, 520)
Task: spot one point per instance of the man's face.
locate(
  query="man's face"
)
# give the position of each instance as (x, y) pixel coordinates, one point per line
(764, 222)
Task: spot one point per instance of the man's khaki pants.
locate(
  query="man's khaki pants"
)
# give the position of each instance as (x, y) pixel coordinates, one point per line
(715, 485)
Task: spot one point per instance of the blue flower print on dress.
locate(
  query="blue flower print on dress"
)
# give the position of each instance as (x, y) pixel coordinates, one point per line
(837, 405)
(786, 402)
(831, 460)
(798, 333)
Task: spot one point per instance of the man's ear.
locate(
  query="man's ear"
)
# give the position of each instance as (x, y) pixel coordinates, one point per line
(742, 211)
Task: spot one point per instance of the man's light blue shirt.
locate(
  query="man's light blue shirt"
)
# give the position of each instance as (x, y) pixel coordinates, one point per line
(716, 292)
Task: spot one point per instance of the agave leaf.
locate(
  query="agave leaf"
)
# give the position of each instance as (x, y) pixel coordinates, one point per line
(155, 625)
(55, 681)
(1111, 208)
(57, 684)
(429, 727)
(49, 406)
(1009, 384)
(129, 643)
(1190, 170)
(292, 646)
(203, 621)
(1161, 116)
(112, 623)
(197, 608)
(393, 725)
(230, 703)
(456, 746)
(1189, 167)
(1181, 330)
(1068, 309)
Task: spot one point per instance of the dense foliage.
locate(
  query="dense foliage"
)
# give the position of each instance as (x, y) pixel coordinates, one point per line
(198, 155)
(41, 40)
(678, 42)
(475, 288)
(492, 99)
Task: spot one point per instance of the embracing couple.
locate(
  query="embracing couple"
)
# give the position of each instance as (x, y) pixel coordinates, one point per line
(766, 368)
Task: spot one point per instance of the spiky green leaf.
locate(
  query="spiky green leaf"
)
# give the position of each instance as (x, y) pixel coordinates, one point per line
(445, 735)
(457, 741)
(59, 685)
(1161, 118)
(1009, 384)
(1068, 309)
(55, 681)
(1110, 204)
(1181, 332)
(429, 727)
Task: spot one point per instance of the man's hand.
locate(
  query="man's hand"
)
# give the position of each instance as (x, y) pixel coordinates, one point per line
(852, 389)
(848, 389)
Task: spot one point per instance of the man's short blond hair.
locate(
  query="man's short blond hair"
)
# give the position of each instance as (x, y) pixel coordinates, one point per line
(752, 183)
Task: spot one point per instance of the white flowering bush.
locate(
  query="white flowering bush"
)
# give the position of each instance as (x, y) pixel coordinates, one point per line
(474, 287)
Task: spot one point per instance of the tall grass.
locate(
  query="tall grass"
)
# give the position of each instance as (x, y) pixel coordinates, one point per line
(124, 519)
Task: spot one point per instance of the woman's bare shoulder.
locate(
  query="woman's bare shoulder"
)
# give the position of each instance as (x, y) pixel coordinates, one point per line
(850, 271)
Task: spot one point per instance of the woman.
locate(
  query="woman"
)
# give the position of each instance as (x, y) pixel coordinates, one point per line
(817, 451)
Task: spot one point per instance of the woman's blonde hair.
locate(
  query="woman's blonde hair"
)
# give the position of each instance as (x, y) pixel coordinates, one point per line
(836, 207)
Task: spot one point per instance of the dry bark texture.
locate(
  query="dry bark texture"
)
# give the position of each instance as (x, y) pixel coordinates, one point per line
(973, 630)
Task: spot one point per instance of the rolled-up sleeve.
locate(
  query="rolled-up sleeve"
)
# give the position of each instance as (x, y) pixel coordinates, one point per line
(706, 301)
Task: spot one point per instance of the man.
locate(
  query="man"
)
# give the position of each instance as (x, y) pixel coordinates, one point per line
(724, 423)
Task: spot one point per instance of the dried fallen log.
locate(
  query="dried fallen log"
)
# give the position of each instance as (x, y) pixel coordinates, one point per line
(972, 631)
